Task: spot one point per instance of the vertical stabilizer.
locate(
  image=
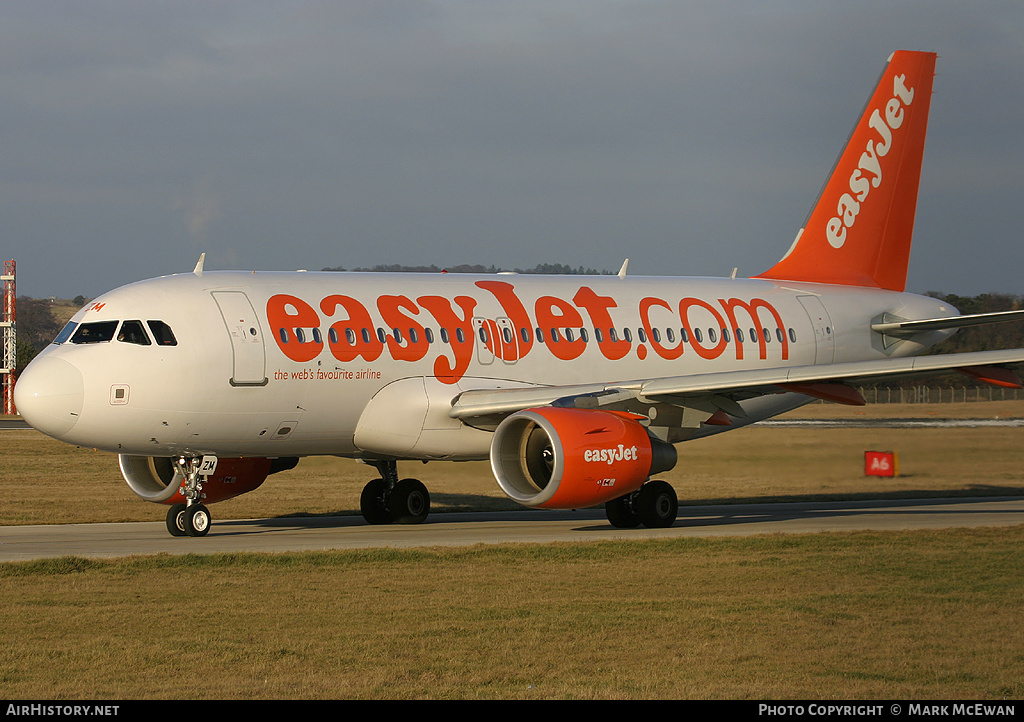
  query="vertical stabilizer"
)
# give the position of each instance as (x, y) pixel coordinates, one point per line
(859, 231)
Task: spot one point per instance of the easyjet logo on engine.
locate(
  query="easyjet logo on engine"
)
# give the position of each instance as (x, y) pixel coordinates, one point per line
(566, 328)
(610, 456)
(868, 173)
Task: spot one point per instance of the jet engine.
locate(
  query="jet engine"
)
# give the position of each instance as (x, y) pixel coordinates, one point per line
(157, 479)
(567, 458)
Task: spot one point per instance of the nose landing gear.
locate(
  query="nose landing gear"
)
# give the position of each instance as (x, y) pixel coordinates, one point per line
(191, 518)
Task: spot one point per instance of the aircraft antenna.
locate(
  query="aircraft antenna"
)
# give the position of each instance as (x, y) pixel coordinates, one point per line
(622, 271)
(198, 270)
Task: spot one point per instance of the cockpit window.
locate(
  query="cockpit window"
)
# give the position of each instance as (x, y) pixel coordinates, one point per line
(96, 332)
(133, 332)
(162, 333)
(65, 333)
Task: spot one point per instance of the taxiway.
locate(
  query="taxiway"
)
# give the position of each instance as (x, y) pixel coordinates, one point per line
(22, 543)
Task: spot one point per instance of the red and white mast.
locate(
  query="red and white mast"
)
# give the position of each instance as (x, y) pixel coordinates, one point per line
(9, 359)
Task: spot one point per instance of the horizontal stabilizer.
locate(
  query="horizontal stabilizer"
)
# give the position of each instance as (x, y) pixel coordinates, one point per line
(908, 328)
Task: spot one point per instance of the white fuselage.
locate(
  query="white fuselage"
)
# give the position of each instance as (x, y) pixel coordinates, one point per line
(295, 364)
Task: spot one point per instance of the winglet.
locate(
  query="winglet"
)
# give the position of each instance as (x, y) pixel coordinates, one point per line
(859, 231)
(198, 270)
(622, 271)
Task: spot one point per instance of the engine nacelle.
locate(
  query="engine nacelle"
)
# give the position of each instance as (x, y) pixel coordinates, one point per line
(156, 479)
(565, 458)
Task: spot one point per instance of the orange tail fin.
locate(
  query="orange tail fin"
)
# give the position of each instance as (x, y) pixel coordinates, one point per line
(859, 231)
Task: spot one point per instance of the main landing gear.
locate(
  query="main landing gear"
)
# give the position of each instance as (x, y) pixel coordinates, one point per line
(392, 500)
(191, 518)
(654, 505)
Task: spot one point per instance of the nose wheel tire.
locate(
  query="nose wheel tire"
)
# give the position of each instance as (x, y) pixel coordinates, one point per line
(196, 520)
(176, 520)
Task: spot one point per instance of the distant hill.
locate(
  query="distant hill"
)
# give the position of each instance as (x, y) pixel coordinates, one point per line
(543, 268)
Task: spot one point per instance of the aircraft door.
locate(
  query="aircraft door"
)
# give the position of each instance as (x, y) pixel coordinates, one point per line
(484, 329)
(496, 338)
(507, 340)
(824, 334)
(249, 356)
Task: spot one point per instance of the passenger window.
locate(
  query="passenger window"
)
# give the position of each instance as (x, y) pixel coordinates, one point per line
(133, 332)
(162, 333)
(97, 332)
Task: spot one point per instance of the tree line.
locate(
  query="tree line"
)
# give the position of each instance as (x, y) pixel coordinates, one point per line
(542, 268)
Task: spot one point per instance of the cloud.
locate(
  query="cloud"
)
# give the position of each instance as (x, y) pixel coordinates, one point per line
(692, 137)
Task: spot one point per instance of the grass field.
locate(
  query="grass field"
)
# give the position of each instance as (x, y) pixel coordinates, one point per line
(910, 615)
(47, 482)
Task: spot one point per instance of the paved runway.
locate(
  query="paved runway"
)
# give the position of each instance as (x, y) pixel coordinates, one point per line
(19, 543)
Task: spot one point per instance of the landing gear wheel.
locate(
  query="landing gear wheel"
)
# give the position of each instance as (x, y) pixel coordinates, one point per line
(176, 520)
(621, 513)
(657, 505)
(196, 519)
(371, 503)
(409, 502)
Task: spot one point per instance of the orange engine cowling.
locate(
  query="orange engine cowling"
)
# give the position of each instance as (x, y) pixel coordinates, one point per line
(565, 458)
(154, 478)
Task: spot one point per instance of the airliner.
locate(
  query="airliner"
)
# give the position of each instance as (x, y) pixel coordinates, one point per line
(578, 389)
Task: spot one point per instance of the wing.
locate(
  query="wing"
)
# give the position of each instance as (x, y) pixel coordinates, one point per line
(688, 401)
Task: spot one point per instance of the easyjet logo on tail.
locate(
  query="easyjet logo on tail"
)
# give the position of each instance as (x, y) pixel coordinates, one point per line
(868, 173)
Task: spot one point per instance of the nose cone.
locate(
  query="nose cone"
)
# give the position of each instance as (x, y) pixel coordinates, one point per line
(49, 395)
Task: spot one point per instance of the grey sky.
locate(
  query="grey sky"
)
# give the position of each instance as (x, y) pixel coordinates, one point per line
(691, 137)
